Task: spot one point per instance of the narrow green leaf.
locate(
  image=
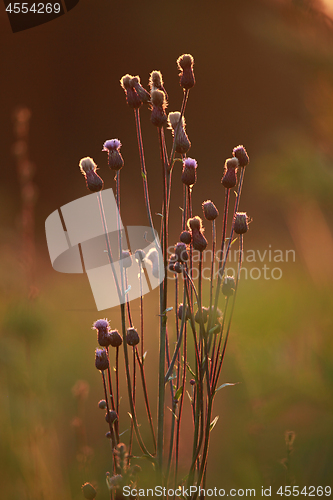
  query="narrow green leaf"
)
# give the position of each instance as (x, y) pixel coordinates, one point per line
(213, 423)
(179, 392)
(190, 397)
(225, 385)
(191, 371)
(173, 413)
(143, 175)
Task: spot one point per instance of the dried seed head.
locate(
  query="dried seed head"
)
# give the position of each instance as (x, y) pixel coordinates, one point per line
(185, 64)
(199, 242)
(240, 153)
(210, 210)
(153, 258)
(88, 491)
(158, 116)
(228, 286)
(88, 168)
(142, 93)
(132, 97)
(185, 237)
(115, 339)
(189, 173)
(229, 180)
(181, 252)
(241, 221)
(101, 359)
(111, 416)
(132, 337)
(183, 143)
(158, 99)
(102, 327)
(102, 404)
(115, 159)
(180, 312)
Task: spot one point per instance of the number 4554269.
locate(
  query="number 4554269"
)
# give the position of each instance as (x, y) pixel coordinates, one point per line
(35, 8)
(310, 491)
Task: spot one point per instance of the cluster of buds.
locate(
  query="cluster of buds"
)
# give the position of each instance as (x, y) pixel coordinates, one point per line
(198, 240)
(105, 336)
(115, 160)
(182, 142)
(88, 168)
(132, 97)
(185, 65)
(239, 159)
(178, 258)
(189, 173)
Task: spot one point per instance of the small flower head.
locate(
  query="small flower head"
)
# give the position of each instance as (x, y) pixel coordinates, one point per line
(88, 168)
(241, 223)
(205, 312)
(159, 104)
(132, 337)
(185, 237)
(185, 64)
(183, 143)
(229, 179)
(111, 416)
(199, 242)
(228, 286)
(156, 82)
(88, 491)
(241, 154)
(102, 404)
(115, 159)
(102, 327)
(210, 210)
(132, 97)
(180, 312)
(189, 173)
(115, 339)
(101, 359)
(142, 93)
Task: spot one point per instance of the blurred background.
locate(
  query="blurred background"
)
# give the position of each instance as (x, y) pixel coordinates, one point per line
(264, 72)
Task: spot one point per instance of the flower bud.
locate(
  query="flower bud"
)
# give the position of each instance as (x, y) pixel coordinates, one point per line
(185, 237)
(229, 180)
(132, 337)
(241, 223)
(158, 116)
(240, 153)
(199, 242)
(101, 359)
(115, 339)
(205, 312)
(210, 210)
(126, 259)
(192, 381)
(115, 160)
(187, 312)
(153, 258)
(132, 97)
(88, 168)
(183, 143)
(156, 82)
(181, 253)
(178, 268)
(142, 93)
(185, 64)
(228, 286)
(189, 173)
(102, 327)
(88, 491)
(102, 404)
(111, 416)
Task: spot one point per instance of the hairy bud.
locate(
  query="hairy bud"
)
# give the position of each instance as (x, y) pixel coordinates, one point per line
(210, 210)
(132, 97)
(115, 160)
(241, 221)
(240, 153)
(101, 359)
(189, 173)
(185, 65)
(88, 168)
(132, 337)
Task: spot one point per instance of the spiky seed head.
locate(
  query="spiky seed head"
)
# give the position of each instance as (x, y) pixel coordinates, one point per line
(185, 61)
(102, 327)
(185, 64)
(241, 154)
(173, 119)
(101, 359)
(125, 81)
(195, 223)
(111, 144)
(158, 99)
(189, 173)
(156, 80)
(210, 210)
(241, 225)
(132, 337)
(142, 93)
(132, 97)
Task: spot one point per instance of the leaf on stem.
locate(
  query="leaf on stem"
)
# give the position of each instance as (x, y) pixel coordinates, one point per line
(173, 413)
(179, 392)
(143, 175)
(213, 423)
(225, 385)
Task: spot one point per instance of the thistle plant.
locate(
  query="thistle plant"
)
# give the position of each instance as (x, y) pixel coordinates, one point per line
(194, 317)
